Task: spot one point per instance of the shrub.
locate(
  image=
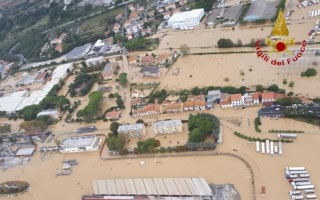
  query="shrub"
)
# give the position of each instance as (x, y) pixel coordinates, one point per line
(162, 149)
(226, 79)
(309, 72)
(291, 84)
(242, 73)
(284, 81)
(123, 151)
(136, 150)
(169, 149)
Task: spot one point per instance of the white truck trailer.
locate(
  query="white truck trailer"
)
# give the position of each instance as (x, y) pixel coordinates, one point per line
(271, 148)
(267, 146)
(280, 148)
(295, 168)
(263, 150)
(287, 135)
(257, 146)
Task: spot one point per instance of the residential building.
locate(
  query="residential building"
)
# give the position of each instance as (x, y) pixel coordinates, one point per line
(170, 6)
(137, 93)
(213, 95)
(183, 2)
(267, 97)
(167, 15)
(132, 60)
(237, 100)
(164, 58)
(101, 46)
(172, 107)
(131, 7)
(119, 17)
(248, 99)
(41, 76)
(151, 13)
(59, 48)
(140, 9)
(129, 36)
(256, 98)
(116, 28)
(127, 23)
(177, 10)
(113, 115)
(134, 15)
(279, 96)
(165, 127)
(277, 111)
(136, 102)
(132, 131)
(54, 113)
(226, 103)
(92, 62)
(147, 60)
(199, 104)
(148, 110)
(188, 105)
(151, 71)
(107, 72)
(59, 39)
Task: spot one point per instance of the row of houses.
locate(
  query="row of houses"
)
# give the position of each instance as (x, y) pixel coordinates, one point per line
(147, 60)
(198, 103)
(159, 128)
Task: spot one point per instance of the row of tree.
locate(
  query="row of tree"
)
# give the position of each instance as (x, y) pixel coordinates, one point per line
(93, 108)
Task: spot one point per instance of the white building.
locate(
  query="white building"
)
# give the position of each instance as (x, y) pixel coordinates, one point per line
(11, 103)
(134, 130)
(186, 19)
(61, 72)
(80, 144)
(170, 126)
(54, 113)
(92, 62)
(237, 100)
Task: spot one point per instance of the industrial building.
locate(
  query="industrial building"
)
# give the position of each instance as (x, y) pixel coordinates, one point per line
(92, 62)
(169, 126)
(151, 188)
(79, 52)
(18, 100)
(261, 9)
(134, 130)
(25, 152)
(80, 144)
(186, 19)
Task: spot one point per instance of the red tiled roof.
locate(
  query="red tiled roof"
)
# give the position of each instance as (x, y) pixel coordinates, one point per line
(134, 14)
(132, 58)
(268, 95)
(256, 95)
(235, 97)
(279, 96)
(226, 102)
(162, 58)
(200, 103)
(174, 106)
(188, 104)
(59, 48)
(113, 114)
(136, 101)
(147, 59)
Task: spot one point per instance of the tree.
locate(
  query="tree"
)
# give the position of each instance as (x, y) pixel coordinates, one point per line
(184, 49)
(30, 112)
(273, 88)
(123, 79)
(47, 119)
(33, 125)
(139, 121)
(259, 88)
(195, 91)
(114, 127)
(63, 103)
(162, 149)
(120, 103)
(291, 84)
(196, 135)
(123, 151)
(309, 72)
(284, 81)
(120, 142)
(225, 43)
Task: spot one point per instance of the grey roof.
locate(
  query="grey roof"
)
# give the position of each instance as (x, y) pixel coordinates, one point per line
(107, 68)
(79, 52)
(192, 187)
(213, 95)
(271, 111)
(261, 9)
(151, 70)
(233, 12)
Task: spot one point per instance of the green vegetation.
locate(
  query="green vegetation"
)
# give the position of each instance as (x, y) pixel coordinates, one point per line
(291, 84)
(33, 125)
(257, 123)
(120, 103)
(281, 6)
(123, 79)
(142, 44)
(86, 69)
(93, 108)
(20, 186)
(148, 145)
(202, 125)
(139, 121)
(252, 139)
(284, 81)
(288, 101)
(115, 143)
(316, 100)
(184, 49)
(207, 5)
(225, 43)
(284, 131)
(160, 95)
(275, 88)
(114, 128)
(5, 128)
(309, 72)
(83, 83)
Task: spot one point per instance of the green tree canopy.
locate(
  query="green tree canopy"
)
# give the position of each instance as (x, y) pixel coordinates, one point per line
(114, 127)
(123, 79)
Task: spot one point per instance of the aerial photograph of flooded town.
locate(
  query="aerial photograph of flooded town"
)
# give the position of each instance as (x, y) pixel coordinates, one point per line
(159, 99)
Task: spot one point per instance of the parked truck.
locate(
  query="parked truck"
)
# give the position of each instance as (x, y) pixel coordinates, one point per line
(287, 135)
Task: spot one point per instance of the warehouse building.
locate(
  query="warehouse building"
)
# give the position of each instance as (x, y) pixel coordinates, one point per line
(151, 188)
(80, 144)
(261, 9)
(79, 52)
(165, 127)
(186, 19)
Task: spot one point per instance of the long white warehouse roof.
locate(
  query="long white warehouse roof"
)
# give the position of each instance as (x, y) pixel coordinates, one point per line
(154, 187)
(185, 16)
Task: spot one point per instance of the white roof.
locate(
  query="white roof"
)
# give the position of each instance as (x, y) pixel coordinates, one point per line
(167, 123)
(25, 152)
(11, 102)
(130, 127)
(48, 112)
(73, 142)
(185, 16)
